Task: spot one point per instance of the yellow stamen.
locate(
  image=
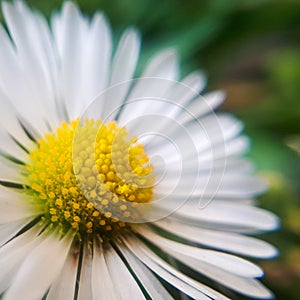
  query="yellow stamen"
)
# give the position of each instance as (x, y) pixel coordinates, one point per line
(88, 176)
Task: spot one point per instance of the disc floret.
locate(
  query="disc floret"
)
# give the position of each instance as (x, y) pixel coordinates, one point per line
(89, 177)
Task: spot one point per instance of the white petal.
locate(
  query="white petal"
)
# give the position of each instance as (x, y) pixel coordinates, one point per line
(70, 30)
(163, 65)
(211, 135)
(9, 171)
(220, 185)
(85, 287)
(229, 216)
(222, 240)
(9, 148)
(10, 123)
(123, 67)
(161, 98)
(9, 230)
(15, 206)
(28, 32)
(102, 285)
(126, 57)
(187, 285)
(197, 256)
(232, 165)
(123, 281)
(203, 105)
(193, 158)
(96, 60)
(155, 81)
(153, 287)
(63, 287)
(195, 81)
(13, 253)
(39, 270)
(246, 286)
(177, 95)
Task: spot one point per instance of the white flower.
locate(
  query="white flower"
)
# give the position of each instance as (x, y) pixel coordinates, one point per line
(72, 220)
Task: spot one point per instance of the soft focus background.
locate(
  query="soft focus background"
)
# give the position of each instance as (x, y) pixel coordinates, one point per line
(251, 49)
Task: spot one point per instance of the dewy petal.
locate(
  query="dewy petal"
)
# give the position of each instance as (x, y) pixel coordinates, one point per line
(124, 284)
(40, 268)
(152, 286)
(222, 240)
(63, 287)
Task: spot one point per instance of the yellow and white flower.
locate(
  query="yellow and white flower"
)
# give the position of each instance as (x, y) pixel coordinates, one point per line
(103, 175)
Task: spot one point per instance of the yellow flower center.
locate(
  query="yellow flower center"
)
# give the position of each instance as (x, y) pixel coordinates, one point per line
(89, 177)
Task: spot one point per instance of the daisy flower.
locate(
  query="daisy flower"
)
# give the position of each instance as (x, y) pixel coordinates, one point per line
(109, 182)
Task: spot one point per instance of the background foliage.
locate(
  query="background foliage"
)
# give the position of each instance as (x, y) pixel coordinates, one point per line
(251, 49)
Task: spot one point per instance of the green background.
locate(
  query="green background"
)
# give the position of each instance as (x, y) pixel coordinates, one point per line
(250, 49)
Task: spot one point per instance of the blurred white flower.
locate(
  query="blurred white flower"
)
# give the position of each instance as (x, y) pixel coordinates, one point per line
(78, 187)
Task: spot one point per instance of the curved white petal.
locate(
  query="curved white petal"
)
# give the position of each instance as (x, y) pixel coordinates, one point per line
(96, 61)
(124, 283)
(63, 287)
(15, 206)
(10, 124)
(122, 71)
(226, 262)
(226, 215)
(40, 268)
(203, 105)
(70, 29)
(153, 287)
(222, 240)
(247, 286)
(9, 171)
(163, 65)
(85, 284)
(155, 81)
(174, 277)
(9, 230)
(34, 97)
(102, 283)
(14, 252)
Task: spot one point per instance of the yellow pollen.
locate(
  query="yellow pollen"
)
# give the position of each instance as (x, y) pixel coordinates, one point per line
(88, 176)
